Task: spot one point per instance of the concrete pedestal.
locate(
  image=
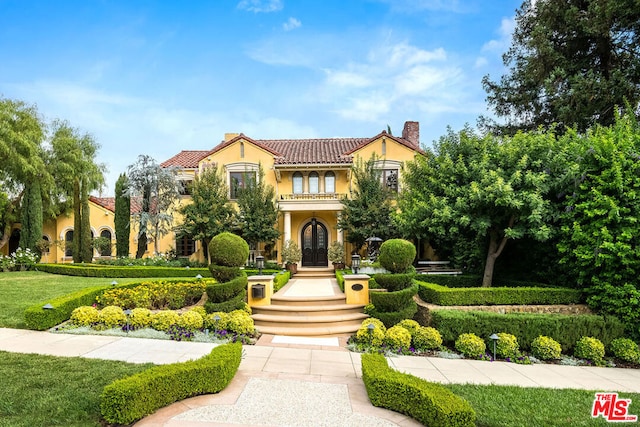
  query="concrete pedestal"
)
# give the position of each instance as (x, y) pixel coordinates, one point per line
(253, 297)
(356, 288)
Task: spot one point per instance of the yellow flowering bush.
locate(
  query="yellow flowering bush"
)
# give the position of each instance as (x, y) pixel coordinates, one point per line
(470, 345)
(589, 348)
(190, 320)
(410, 325)
(507, 345)
(200, 310)
(85, 316)
(211, 323)
(162, 320)
(546, 348)
(240, 322)
(427, 338)
(397, 337)
(111, 317)
(156, 295)
(140, 318)
(374, 336)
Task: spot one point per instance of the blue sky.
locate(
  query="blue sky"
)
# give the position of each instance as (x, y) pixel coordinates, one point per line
(157, 77)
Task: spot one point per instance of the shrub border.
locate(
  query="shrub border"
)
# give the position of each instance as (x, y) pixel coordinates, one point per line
(132, 398)
(429, 403)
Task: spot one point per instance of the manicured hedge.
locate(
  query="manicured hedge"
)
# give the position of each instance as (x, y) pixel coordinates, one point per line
(430, 403)
(390, 318)
(474, 281)
(94, 270)
(393, 301)
(441, 295)
(40, 319)
(394, 282)
(566, 329)
(221, 292)
(281, 279)
(236, 303)
(132, 398)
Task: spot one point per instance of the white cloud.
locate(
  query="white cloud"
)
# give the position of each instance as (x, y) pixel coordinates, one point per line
(260, 6)
(481, 62)
(346, 78)
(502, 43)
(291, 24)
(411, 6)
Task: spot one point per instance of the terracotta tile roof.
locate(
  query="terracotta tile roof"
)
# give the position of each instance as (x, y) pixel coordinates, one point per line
(109, 203)
(312, 151)
(384, 133)
(186, 159)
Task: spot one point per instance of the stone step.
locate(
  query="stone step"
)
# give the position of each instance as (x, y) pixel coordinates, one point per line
(308, 321)
(308, 310)
(310, 331)
(309, 301)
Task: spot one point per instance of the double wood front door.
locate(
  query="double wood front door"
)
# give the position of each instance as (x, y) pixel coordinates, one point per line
(314, 245)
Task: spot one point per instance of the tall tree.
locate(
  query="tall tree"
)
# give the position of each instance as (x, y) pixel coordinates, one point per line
(122, 220)
(158, 190)
(209, 212)
(367, 211)
(72, 161)
(482, 191)
(571, 62)
(257, 214)
(22, 133)
(31, 232)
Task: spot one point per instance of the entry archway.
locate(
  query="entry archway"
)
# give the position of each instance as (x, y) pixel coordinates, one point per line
(314, 244)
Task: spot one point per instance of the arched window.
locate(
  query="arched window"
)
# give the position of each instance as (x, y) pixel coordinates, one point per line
(329, 182)
(297, 183)
(314, 183)
(68, 243)
(106, 250)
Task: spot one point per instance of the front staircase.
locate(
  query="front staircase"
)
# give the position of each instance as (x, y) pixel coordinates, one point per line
(308, 315)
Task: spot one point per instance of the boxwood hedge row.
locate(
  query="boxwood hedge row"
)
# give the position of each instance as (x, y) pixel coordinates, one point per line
(94, 270)
(130, 399)
(430, 403)
(442, 295)
(566, 329)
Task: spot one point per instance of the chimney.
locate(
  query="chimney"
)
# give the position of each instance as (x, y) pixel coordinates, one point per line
(411, 133)
(230, 136)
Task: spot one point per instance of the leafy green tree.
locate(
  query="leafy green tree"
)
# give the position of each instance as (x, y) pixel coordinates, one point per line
(122, 218)
(367, 211)
(31, 222)
(482, 192)
(159, 190)
(72, 161)
(209, 212)
(257, 213)
(21, 158)
(599, 238)
(571, 62)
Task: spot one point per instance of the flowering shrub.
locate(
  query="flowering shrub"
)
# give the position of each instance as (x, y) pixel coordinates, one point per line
(589, 348)
(240, 322)
(140, 318)
(179, 333)
(190, 320)
(111, 317)
(546, 348)
(25, 257)
(507, 346)
(200, 310)
(410, 325)
(7, 263)
(470, 345)
(397, 337)
(625, 349)
(211, 323)
(162, 320)
(373, 336)
(85, 316)
(156, 295)
(427, 338)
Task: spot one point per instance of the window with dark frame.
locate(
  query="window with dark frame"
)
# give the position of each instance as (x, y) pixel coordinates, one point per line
(390, 179)
(185, 246)
(239, 181)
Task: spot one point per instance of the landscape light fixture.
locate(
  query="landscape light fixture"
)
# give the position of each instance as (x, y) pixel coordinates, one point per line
(47, 306)
(114, 283)
(260, 263)
(216, 319)
(494, 338)
(127, 313)
(199, 277)
(355, 263)
(370, 328)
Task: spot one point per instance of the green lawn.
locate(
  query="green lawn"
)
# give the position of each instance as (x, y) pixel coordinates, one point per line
(508, 406)
(55, 391)
(20, 290)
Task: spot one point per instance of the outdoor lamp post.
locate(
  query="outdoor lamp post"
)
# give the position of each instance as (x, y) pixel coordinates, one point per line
(47, 306)
(127, 313)
(198, 276)
(494, 338)
(355, 262)
(260, 263)
(216, 319)
(114, 283)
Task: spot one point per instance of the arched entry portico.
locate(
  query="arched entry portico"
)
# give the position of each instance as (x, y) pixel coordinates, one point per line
(314, 244)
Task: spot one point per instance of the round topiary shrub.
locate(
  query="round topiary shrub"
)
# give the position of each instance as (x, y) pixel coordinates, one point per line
(140, 318)
(163, 320)
(397, 337)
(471, 345)
(229, 250)
(220, 324)
(427, 338)
(190, 320)
(111, 317)
(507, 346)
(397, 255)
(373, 336)
(625, 349)
(546, 348)
(410, 325)
(240, 322)
(85, 316)
(200, 310)
(589, 348)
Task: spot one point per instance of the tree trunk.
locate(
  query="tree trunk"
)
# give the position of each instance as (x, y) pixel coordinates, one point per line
(142, 245)
(6, 233)
(76, 244)
(496, 245)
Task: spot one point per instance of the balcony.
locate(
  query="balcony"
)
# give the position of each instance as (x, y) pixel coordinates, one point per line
(310, 201)
(312, 196)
